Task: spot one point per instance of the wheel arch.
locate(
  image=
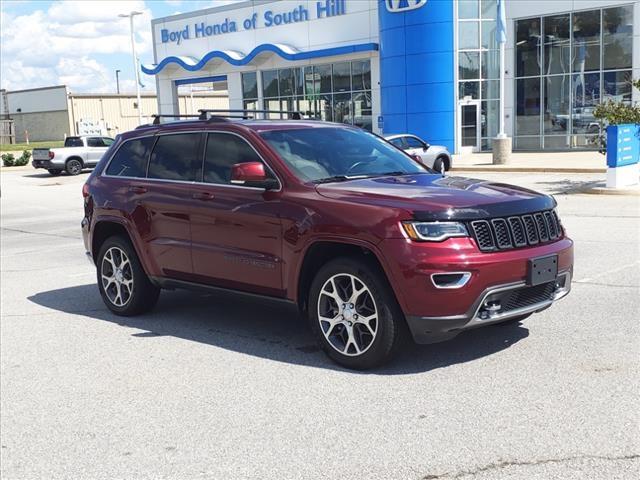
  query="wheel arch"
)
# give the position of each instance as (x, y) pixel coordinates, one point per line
(107, 227)
(320, 252)
(74, 157)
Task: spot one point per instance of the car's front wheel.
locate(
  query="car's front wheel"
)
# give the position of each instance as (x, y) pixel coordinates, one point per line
(354, 314)
(123, 283)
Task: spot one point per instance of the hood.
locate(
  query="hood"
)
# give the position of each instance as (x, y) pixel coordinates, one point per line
(433, 197)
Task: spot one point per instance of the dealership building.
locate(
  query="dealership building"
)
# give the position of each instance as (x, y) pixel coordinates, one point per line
(426, 67)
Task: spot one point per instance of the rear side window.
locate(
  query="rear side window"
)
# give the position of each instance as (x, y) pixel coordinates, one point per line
(413, 142)
(131, 158)
(175, 157)
(95, 142)
(223, 151)
(73, 142)
(397, 142)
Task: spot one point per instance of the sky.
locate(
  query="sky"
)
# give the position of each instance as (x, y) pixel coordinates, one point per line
(80, 43)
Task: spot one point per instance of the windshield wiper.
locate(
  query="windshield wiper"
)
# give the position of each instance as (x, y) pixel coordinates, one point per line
(339, 178)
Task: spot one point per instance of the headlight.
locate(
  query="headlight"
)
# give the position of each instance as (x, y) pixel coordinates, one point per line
(434, 231)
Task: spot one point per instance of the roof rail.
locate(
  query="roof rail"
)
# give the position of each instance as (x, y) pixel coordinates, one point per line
(157, 117)
(246, 114)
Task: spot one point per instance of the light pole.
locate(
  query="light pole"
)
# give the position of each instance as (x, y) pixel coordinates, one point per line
(118, 82)
(130, 16)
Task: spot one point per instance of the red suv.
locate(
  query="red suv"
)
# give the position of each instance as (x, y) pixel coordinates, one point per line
(368, 242)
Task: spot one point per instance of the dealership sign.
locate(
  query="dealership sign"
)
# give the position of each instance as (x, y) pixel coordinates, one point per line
(397, 6)
(268, 18)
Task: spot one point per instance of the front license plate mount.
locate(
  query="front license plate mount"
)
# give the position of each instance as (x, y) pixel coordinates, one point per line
(542, 270)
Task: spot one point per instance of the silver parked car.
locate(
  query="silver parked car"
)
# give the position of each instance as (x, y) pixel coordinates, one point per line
(434, 156)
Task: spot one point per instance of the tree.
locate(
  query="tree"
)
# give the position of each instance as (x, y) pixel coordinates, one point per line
(616, 113)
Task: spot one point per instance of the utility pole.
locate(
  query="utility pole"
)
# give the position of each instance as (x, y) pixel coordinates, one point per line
(130, 16)
(118, 82)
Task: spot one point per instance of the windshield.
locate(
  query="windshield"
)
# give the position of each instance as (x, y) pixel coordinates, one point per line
(334, 154)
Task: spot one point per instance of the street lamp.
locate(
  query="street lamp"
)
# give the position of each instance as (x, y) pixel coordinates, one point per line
(118, 81)
(130, 16)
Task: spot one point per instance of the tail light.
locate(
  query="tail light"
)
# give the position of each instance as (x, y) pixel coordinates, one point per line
(85, 190)
(51, 154)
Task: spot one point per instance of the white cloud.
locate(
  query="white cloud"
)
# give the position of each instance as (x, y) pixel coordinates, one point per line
(58, 46)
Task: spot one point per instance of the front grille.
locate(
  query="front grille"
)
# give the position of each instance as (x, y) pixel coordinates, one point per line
(516, 232)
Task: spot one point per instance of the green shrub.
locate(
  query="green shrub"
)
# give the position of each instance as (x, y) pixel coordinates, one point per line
(8, 160)
(23, 159)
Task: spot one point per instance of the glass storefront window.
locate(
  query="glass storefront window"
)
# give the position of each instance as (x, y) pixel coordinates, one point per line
(342, 77)
(468, 65)
(557, 52)
(586, 41)
(490, 90)
(468, 9)
(489, 34)
(322, 74)
(469, 89)
(528, 106)
(617, 31)
(270, 83)
(557, 94)
(489, 118)
(468, 35)
(528, 47)
(489, 9)
(362, 110)
(250, 85)
(617, 86)
(287, 81)
(586, 95)
(361, 75)
(490, 64)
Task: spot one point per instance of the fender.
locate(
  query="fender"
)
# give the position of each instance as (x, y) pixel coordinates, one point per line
(147, 264)
(349, 241)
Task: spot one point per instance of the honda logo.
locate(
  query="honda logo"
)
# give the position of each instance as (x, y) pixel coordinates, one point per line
(396, 6)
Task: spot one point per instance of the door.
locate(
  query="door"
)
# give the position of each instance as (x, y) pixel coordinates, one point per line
(415, 146)
(164, 201)
(236, 230)
(469, 131)
(96, 146)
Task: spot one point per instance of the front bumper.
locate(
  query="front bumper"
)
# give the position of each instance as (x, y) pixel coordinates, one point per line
(435, 313)
(495, 305)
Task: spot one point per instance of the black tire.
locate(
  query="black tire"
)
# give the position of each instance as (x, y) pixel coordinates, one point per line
(143, 295)
(73, 166)
(390, 326)
(441, 165)
(54, 172)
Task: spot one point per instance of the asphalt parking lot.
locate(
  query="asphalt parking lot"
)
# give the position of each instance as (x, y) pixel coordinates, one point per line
(221, 387)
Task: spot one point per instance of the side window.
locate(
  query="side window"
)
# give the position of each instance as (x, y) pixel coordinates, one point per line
(73, 142)
(398, 142)
(223, 151)
(175, 157)
(95, 142)
(107, 142)
(131, 158)
(413, 142)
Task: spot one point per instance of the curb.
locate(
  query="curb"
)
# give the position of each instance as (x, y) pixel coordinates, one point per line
(611, 191)
(498, 169)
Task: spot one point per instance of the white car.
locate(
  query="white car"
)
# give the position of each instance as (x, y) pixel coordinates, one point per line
(77, 153)
(433, 156)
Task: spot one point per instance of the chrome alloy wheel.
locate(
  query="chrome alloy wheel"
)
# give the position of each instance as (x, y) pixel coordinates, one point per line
(347, 314)
(117, 276)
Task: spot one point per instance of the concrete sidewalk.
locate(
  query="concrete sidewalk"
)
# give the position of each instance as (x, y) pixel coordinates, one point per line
(540, 162)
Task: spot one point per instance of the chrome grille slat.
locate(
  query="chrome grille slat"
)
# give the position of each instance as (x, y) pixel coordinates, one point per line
(516, 231)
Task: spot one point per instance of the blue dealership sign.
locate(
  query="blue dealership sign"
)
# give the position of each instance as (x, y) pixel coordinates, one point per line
(623, 145)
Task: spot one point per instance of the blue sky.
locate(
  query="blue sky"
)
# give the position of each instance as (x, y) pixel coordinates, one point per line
(79, 43)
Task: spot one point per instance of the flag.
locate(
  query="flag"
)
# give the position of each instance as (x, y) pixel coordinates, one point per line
(501, 30)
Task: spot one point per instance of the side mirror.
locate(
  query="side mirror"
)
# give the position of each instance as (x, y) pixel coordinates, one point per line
(252, 174)
(425, 147)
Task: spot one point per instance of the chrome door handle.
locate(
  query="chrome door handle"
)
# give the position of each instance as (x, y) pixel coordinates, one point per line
(138, 189)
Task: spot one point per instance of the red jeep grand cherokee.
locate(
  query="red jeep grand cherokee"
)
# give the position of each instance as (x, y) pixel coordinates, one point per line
(364, 239)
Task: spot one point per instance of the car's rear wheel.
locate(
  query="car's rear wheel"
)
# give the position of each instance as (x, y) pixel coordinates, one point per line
(54, 172)
(73, 166)
(354, 314)
(124, 286)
